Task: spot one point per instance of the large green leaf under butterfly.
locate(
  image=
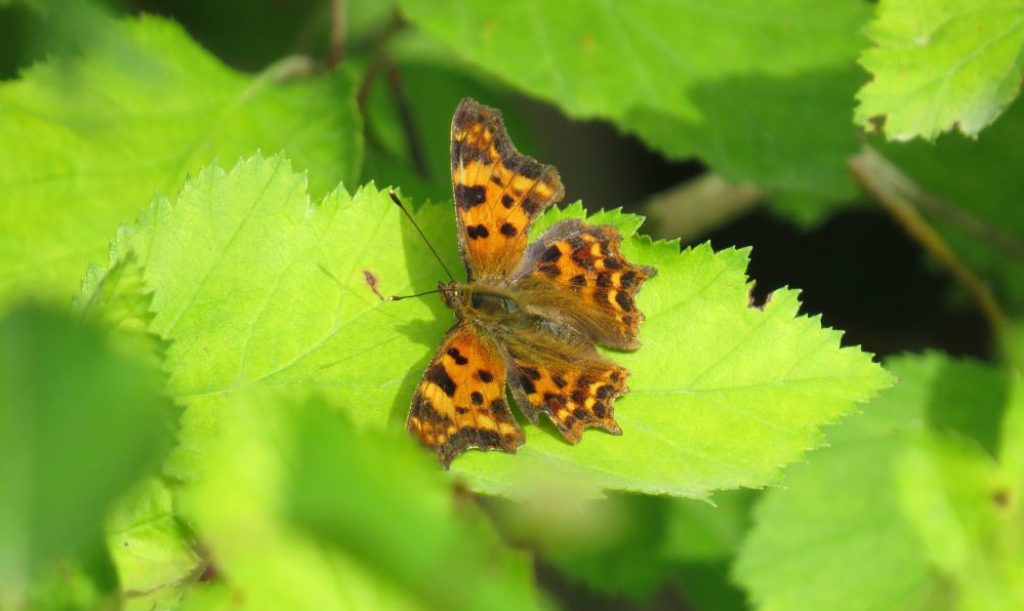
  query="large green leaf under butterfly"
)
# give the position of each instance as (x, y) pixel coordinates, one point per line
(254, 285)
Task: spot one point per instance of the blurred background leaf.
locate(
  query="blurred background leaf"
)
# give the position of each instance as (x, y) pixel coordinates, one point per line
(634, 65)
(88, 139)
(973, 198)
(79, 423)
(299, 508)
(901, 512)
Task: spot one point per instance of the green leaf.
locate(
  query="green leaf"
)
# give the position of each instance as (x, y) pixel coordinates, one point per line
(69, 586)
(949, 488)
(393, 509)
(613, 546)
(977, 181)
(895, 514)
(120, 303)
(682, 75)
(708, 531)
(78, 424)
(721, 393)
(209, 596)
(301, 511)
(86, 141)
(708, 587)
(1011, 451)
(940, 64)
(151, 549)
(626, 545)
(254, 286)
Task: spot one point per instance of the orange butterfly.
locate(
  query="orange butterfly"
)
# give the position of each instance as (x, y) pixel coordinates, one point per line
(529, 315)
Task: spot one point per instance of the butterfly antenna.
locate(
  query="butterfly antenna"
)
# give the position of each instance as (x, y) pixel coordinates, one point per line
(401, 297)
(394, 198)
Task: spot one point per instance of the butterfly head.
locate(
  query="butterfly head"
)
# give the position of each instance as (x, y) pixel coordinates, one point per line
(477, 301)
(454, 295)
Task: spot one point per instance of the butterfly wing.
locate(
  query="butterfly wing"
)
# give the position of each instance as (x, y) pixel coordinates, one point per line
(555, 370)
(575, 272)
(498, 192)
(460, 402)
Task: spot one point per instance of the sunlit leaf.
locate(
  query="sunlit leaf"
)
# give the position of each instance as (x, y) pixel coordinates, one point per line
(938, 65)
(85, 142)
(255, 286)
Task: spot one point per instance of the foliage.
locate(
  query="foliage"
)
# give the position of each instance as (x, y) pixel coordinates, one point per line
(940, 64)
(216, 421)
(901, 511)
(87, 138)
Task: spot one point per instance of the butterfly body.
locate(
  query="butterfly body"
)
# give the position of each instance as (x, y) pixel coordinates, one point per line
(530, 313)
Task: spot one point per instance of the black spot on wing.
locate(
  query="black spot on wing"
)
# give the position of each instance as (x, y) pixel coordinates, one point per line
(551, 255)
(439, 376)
(457, 356)
(466, 197)
(527, 384)
(478, 231)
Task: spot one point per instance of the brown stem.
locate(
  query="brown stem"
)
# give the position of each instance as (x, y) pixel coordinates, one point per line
(412, 134)
(897, 194)
(338, 27)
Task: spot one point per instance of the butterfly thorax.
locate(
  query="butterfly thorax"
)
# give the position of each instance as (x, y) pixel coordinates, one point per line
(479, 301)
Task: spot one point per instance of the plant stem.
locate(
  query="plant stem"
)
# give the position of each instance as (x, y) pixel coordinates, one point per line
(898, 193)
(338, 26)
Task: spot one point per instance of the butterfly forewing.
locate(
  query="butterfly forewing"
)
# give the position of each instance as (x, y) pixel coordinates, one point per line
(498, 192)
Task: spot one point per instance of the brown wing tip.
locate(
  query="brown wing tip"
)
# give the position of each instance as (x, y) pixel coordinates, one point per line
(574, 434)
(457, 445)
(470, 112)
(450, 447)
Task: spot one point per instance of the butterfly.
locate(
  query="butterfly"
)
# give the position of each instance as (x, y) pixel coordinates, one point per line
(529, 314)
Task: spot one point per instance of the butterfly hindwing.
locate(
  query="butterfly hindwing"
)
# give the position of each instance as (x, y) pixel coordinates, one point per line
(577, 269)
(498, 192)
(561, 374)
(460, 402)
